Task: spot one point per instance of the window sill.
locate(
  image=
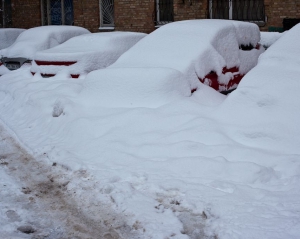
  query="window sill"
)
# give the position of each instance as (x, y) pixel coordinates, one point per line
(106, 28)
(259, 23)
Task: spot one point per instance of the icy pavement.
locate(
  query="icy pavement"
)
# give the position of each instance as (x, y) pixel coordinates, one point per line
(34, 201)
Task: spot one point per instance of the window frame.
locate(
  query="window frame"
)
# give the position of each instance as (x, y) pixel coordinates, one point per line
(46, 15)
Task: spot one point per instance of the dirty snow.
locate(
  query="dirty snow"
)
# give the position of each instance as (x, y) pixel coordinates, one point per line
(192, 166)
(89, 51)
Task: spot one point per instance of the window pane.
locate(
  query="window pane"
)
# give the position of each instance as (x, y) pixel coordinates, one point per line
(164, 12)
(219, 9)
(69, 18)
(107, 13)
(56, 13)
(243, 10)
(248, 10)
(5, 13)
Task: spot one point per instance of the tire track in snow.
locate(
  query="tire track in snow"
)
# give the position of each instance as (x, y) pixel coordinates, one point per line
(53, 210)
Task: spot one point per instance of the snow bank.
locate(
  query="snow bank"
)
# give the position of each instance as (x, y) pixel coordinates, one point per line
(41, 38)
(204, 166)
(127, 87)
(8, 36)
(194, 47)
(90, 52)
(269, 91)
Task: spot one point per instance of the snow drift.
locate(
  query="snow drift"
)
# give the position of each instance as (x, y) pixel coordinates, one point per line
(204, 166)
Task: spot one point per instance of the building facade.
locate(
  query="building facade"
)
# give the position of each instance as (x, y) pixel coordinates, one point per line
(143, 15)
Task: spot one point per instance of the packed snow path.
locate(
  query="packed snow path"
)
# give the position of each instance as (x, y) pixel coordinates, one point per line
(34, 201)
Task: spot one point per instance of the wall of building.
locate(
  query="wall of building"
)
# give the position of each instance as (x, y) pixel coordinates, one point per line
(277, 10)
(138, 15)
(190, 9)
(134, 15)
(26, 13)
(86, 14)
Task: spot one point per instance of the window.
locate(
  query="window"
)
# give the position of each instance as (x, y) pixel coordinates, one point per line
(243, 10)
(107, 14)
(5, 13)
(163, 12)
(57, 12)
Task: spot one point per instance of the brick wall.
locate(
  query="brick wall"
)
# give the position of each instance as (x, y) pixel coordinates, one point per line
(194, 9)
(26, 13)
(134, 15)
(86, 14)
(138, 15)
(277, 10)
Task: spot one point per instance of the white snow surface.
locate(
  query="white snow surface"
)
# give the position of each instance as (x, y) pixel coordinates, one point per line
(3, 70)
(268, 38)
(41, 38)
(89, 51)
(194, 47)
(193, 166)
(8, 36)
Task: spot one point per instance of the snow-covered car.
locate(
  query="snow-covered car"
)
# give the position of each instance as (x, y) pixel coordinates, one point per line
(269, 38)
(217, 53)
(7, 38)
(36, 39)
(83, 54)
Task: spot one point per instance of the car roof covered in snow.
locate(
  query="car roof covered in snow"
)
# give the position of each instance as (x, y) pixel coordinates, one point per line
(8, 36)
(41, 38)
(104, 42)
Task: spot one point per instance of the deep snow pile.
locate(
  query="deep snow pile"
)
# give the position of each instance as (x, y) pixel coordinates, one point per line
(89, 51)
(41, 38)
(8, 36)
(192, 166)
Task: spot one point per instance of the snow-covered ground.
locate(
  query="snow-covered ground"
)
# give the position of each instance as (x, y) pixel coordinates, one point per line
(191, 166)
